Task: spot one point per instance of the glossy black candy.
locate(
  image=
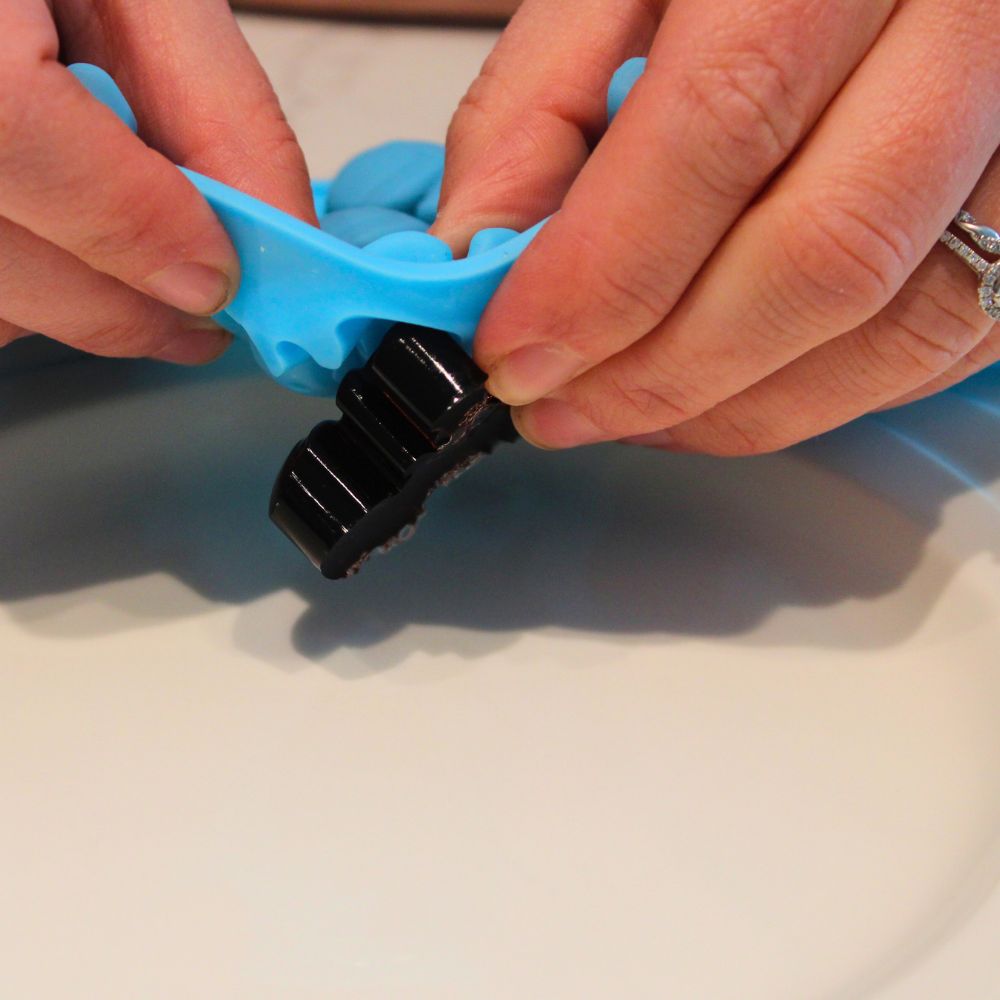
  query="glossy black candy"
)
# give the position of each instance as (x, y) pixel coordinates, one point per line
(413, 417)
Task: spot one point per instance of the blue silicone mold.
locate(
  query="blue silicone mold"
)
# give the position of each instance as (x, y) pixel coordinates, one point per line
(315, 303)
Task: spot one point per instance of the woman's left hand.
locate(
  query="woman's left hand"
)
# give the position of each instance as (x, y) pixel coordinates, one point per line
(748, 257)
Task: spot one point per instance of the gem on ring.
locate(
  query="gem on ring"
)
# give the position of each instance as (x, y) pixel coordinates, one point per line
(987, 240)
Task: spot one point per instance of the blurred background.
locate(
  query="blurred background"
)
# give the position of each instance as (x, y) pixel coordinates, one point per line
(489, 11)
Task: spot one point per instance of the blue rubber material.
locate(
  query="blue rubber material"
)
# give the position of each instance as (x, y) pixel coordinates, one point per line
(622, 83)
(106, 91)
(315, 303)
(363, 226)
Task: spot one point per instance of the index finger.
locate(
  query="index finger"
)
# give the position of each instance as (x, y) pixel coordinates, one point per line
(75, 175)
(530, 119)
(203, 100)
(730, 91)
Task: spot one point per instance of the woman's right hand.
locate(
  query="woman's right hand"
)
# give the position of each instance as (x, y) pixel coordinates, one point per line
(104, 244)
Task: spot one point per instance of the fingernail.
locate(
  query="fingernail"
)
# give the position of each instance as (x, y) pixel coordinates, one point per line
(192, 288)
(552, 424)
(196, 346)
(531, 372)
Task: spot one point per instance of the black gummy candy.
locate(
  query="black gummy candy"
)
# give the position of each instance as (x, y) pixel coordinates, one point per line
(413, 417)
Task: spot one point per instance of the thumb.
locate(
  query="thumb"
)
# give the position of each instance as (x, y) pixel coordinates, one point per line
(199, 93)
(530, 120)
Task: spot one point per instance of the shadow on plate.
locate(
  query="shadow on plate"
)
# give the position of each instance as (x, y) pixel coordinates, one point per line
(117, 470)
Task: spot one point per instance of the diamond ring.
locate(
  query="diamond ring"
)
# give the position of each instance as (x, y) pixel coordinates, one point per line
(987, 240)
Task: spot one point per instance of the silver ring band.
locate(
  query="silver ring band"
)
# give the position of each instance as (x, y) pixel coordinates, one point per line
(987, 240)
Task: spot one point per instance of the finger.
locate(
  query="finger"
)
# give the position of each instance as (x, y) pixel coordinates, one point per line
(828, 246)
(75, 175)
(527, 124)
(9, 333)
(926, 331)
(960, 294)
(730, 91)
(981, 357)
(205, 103)
(932, 335)
(47, 290)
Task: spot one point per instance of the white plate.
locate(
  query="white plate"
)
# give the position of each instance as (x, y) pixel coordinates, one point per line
(612, 725)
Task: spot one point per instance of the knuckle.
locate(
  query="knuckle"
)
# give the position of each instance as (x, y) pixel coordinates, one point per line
(636, 298)
(733, 429)
(751, 103)
(909, 350)
(984, 353)
(647, 398)
(273, 142)
(733, 437)
(513, 161)
(499, 144)
(134, 223)
(921, 336)
(278, 146)
(841, 263)
(487, 96)
(505, 139)
(958, 331)
(124, 339)
(654, 404)
(277, 156)
(745, 424)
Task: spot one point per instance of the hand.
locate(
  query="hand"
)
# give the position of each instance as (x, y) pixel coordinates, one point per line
(748, 257)
(104, 244)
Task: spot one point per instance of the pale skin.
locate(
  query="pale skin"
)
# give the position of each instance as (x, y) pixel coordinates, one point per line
(104, 245)
(746, 259)
(749, 257)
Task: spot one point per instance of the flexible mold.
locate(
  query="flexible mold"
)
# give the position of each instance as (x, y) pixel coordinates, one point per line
(315, 306)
